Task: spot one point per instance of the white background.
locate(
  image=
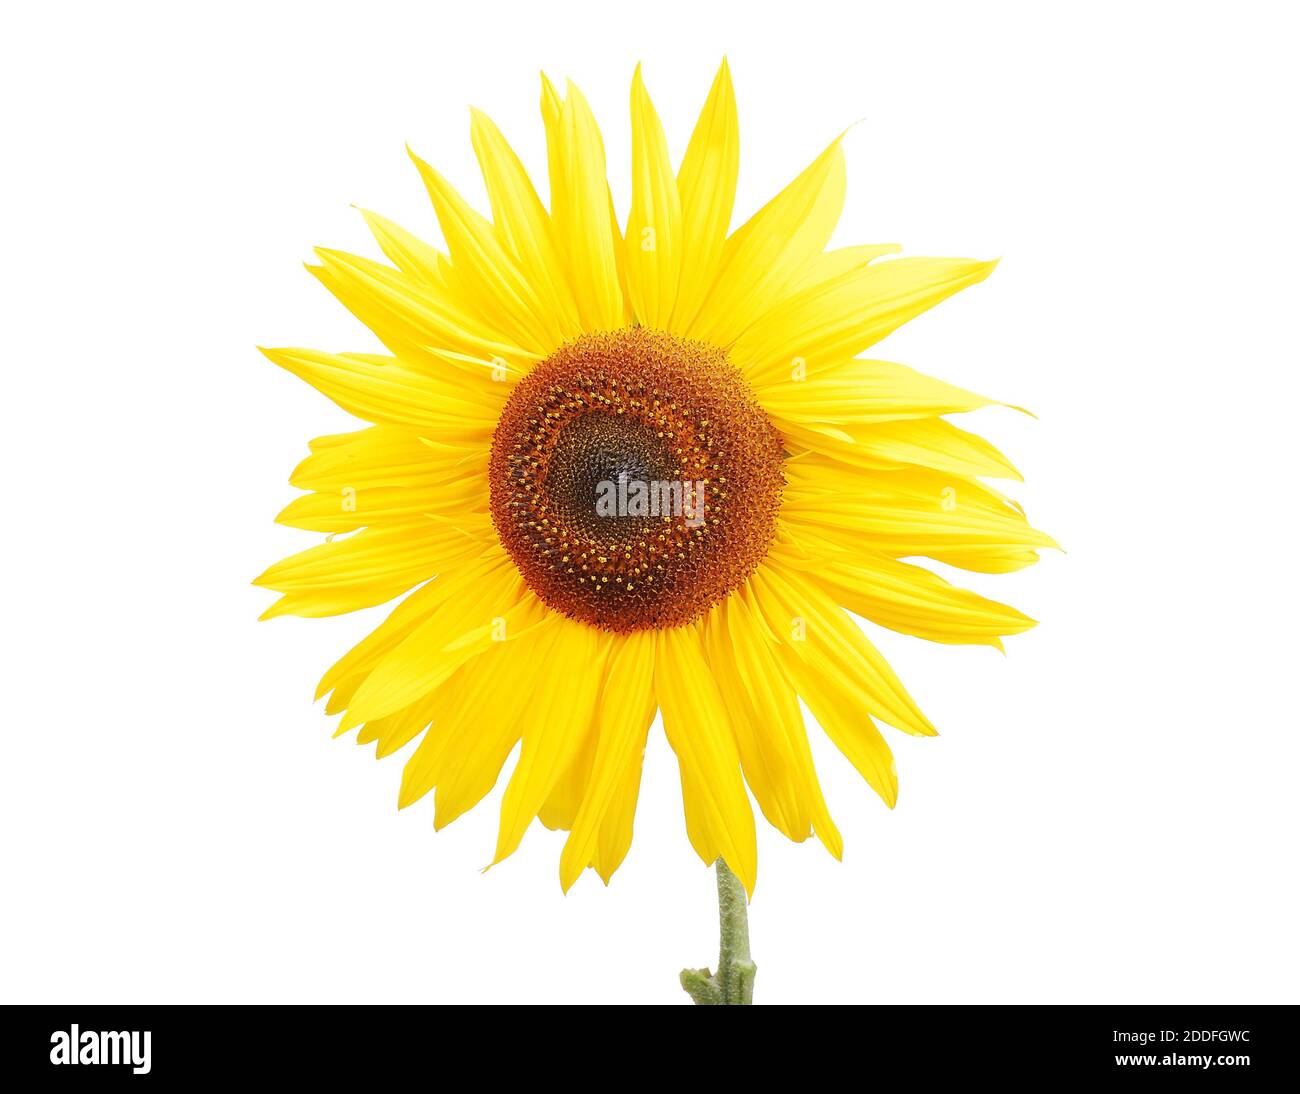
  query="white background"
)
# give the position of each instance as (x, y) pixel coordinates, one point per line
(1111, 812)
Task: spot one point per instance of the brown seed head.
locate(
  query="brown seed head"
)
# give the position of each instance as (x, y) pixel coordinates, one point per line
(606, 412)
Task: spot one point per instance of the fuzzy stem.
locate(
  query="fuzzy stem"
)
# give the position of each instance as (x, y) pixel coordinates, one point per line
(733, 983)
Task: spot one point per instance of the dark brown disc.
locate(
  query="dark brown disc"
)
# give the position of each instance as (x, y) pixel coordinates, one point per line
(603, 414)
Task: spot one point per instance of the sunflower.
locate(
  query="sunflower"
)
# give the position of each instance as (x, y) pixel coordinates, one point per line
(762, 480)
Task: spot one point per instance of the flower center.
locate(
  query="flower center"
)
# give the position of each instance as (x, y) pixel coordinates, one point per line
(634, 480)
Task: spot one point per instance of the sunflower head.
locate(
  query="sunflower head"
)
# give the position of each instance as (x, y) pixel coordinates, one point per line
(621, 468)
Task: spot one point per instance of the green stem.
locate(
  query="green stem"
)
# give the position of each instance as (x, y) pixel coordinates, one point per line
(733, 983)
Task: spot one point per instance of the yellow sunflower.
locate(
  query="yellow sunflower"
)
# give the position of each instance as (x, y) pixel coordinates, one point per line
(627, 469)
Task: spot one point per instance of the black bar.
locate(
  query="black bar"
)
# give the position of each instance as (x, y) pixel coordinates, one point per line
(878, 1047)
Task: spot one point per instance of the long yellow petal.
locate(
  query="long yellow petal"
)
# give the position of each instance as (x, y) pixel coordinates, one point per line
(489, 275)
(397, 730)
(909, 512)
(416, 320)
(772, 250)
(823, 636)
(410, 254)
(862, 392)
(626, 709)
(839, 318)
(367, 653)
(475, 730)
(552, 104)
(841, 708)
(523, 223)
(766, 770)
(706, 186)
(580, 208)
(485, 603)
(719, 820)
(560, 809)
(905, 598)
(765, 713)
(616, 829)
(382, 455)
(554, 729)
(352, 507)
(382, 389)
(372, 566)
(654, 244)
(930, 443)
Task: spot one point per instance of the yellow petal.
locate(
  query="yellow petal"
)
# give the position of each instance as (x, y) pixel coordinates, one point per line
(382, 456)
(931, 443)
(523, 223)
(399, 729)
(719, 820)
(902, 597)
(862, 392)
(560, 809)
(823, 636)
(616, 829)
(772, 250)
(626, 709)
(580, 208)
(367, 653)
(352, 507)
(416, 320)
(484, 603)
(910, 512)
(555, 728)
(381, 389)
(372, 566)
(411, 254)
(706, 186)
(766, 770)
(654, 244)
(552, 104)
(765, 714)
(490, 277)
(836, 319)
(841, 708)
(477, 727)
